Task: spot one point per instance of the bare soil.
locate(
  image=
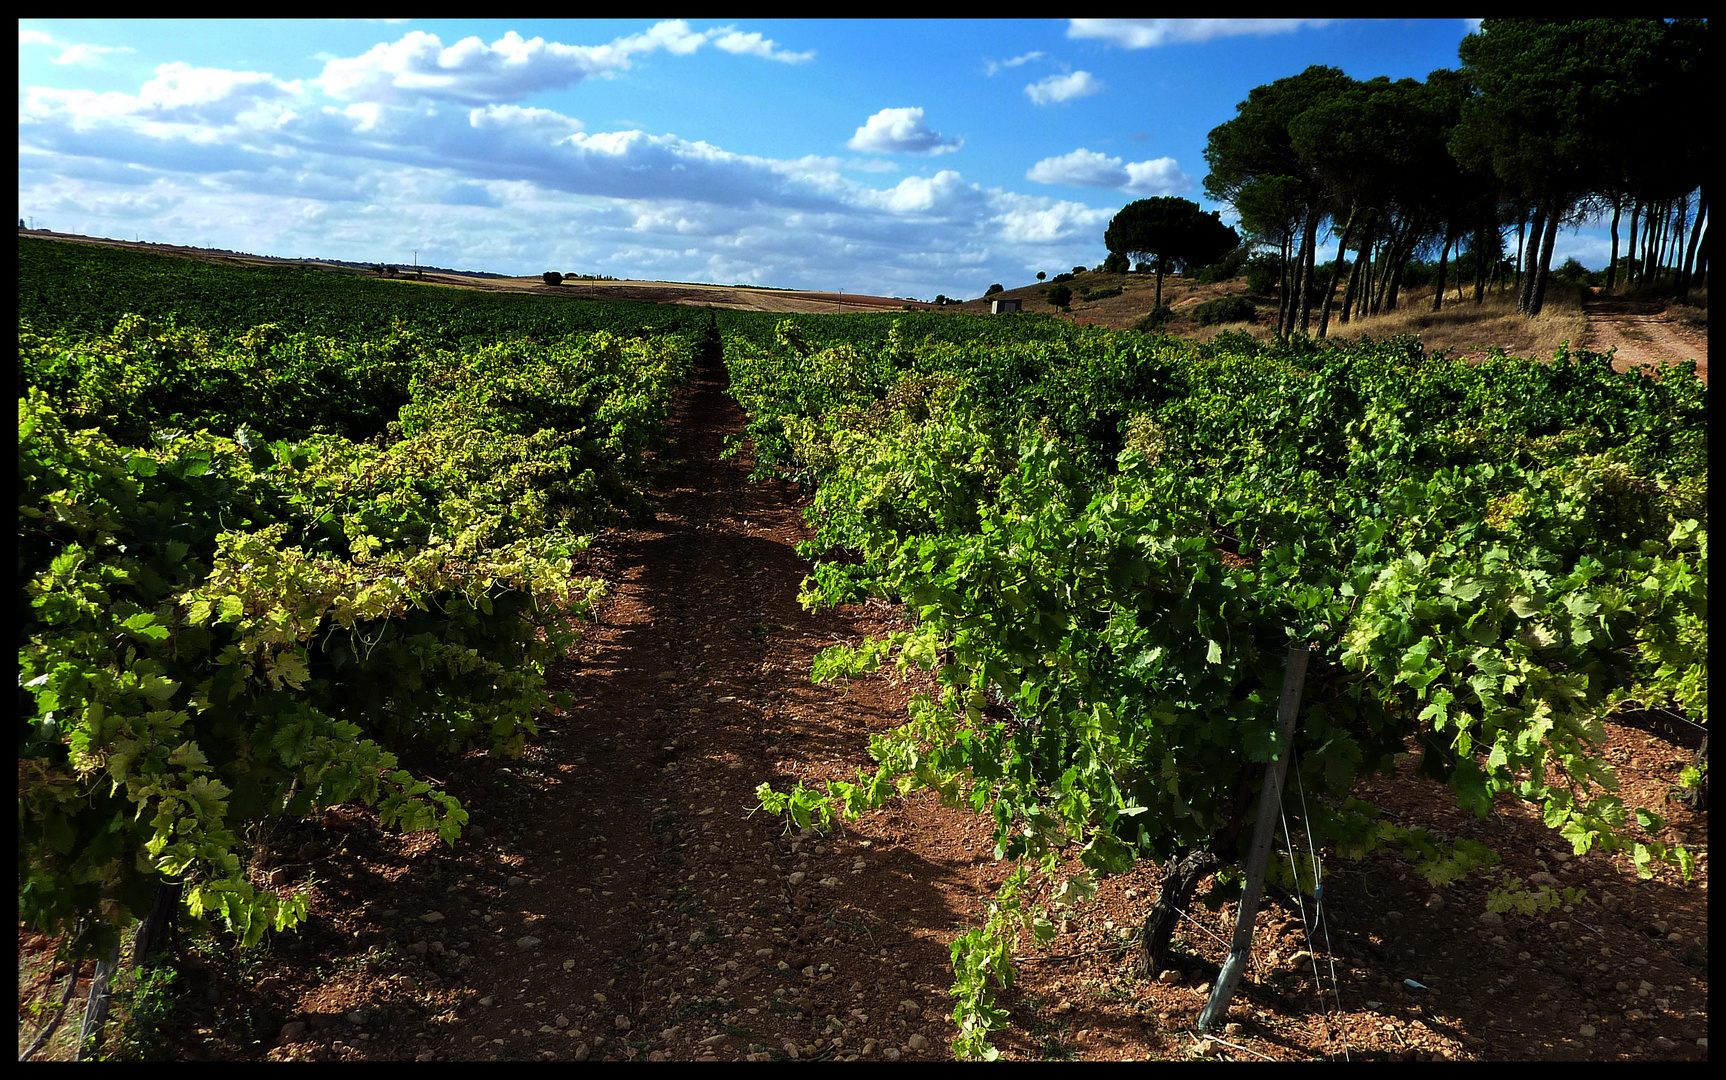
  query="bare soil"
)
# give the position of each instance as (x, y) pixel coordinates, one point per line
(618, 899)
(1648, 333)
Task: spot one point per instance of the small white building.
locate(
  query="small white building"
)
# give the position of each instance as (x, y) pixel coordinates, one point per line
(1002, 307)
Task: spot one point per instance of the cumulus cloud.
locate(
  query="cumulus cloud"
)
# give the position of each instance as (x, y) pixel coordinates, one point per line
(241, 159)
(69, 54)
(1154, 33)
(1087, 168)
(994, 66)
(1081, 168)
(1032, 221)
(901, 131)
(1058, 88)
(1159, 177)
(420, 66)
(177, 94)
(733, 41)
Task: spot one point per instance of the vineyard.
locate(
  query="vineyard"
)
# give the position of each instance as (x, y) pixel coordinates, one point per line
(386, 634)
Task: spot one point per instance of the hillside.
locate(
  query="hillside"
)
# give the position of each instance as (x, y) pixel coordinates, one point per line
(1645, 330)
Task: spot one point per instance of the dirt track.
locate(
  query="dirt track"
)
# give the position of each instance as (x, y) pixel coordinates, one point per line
(1645, 333)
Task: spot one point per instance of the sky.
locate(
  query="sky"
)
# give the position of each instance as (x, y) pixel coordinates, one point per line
(895, 158)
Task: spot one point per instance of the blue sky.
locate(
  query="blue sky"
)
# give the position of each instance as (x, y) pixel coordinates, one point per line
(887, 157)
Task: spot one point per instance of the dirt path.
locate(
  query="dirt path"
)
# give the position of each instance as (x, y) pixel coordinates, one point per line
(614, 899)
(1645, 334)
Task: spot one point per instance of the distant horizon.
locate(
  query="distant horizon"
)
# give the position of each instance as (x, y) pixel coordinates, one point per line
(874, 157)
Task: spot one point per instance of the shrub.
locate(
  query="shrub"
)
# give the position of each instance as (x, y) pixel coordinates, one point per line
(1078, 269)
(1156, 320)
(1100, 294)
(1572, 272)
(1262, 272)
(1145, 268)
(993, 289)
(1224, 269)
(552, 277)
(1225, 309)
(1116, 263)
(1063, 277)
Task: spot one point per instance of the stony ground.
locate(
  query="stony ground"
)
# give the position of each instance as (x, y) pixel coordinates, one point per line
(617, 899)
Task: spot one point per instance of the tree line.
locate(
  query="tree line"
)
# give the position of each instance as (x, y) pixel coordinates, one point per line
(1545, 123)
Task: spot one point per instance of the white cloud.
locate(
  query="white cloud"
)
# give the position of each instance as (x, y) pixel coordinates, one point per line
(1058, 88)
(243, 160)
(901, 131)
(994, 66)
(419, 66)
(734, 41)
(1154, 33)
(1160, 177)
(87, 54)
(1081, 168)
(1087, 168)
(69, 54)
(1029, 220)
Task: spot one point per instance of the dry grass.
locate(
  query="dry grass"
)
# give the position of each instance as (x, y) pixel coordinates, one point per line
(1472, 330)
(1693, 312)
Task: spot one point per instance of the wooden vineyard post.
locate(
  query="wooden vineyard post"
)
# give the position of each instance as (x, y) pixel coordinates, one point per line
(1270, 800)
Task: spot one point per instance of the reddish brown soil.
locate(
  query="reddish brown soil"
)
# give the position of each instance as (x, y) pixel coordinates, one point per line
(619, 900)
(1647, 333)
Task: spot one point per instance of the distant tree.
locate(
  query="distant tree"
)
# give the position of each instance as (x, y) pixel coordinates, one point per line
(995, 288)
(1572, 272)
(552, 277)
(1116, 263)
(1171, 233)
(1041, 274)
(1078, 269)
(1060, 296)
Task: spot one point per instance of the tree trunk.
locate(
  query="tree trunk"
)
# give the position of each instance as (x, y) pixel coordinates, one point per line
(1283, 300)
(1402, 253)
(1358, 276)
(1443, 261)
(1544, 269)
(1529, 253)
(1393, 242)
(1520, 222)
(1630, 248)
(1612, 267)
(1695, 239)
(1480, 264)
(1651, 243)
(1336, 274)
(1675, 247)
(1309, 257)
